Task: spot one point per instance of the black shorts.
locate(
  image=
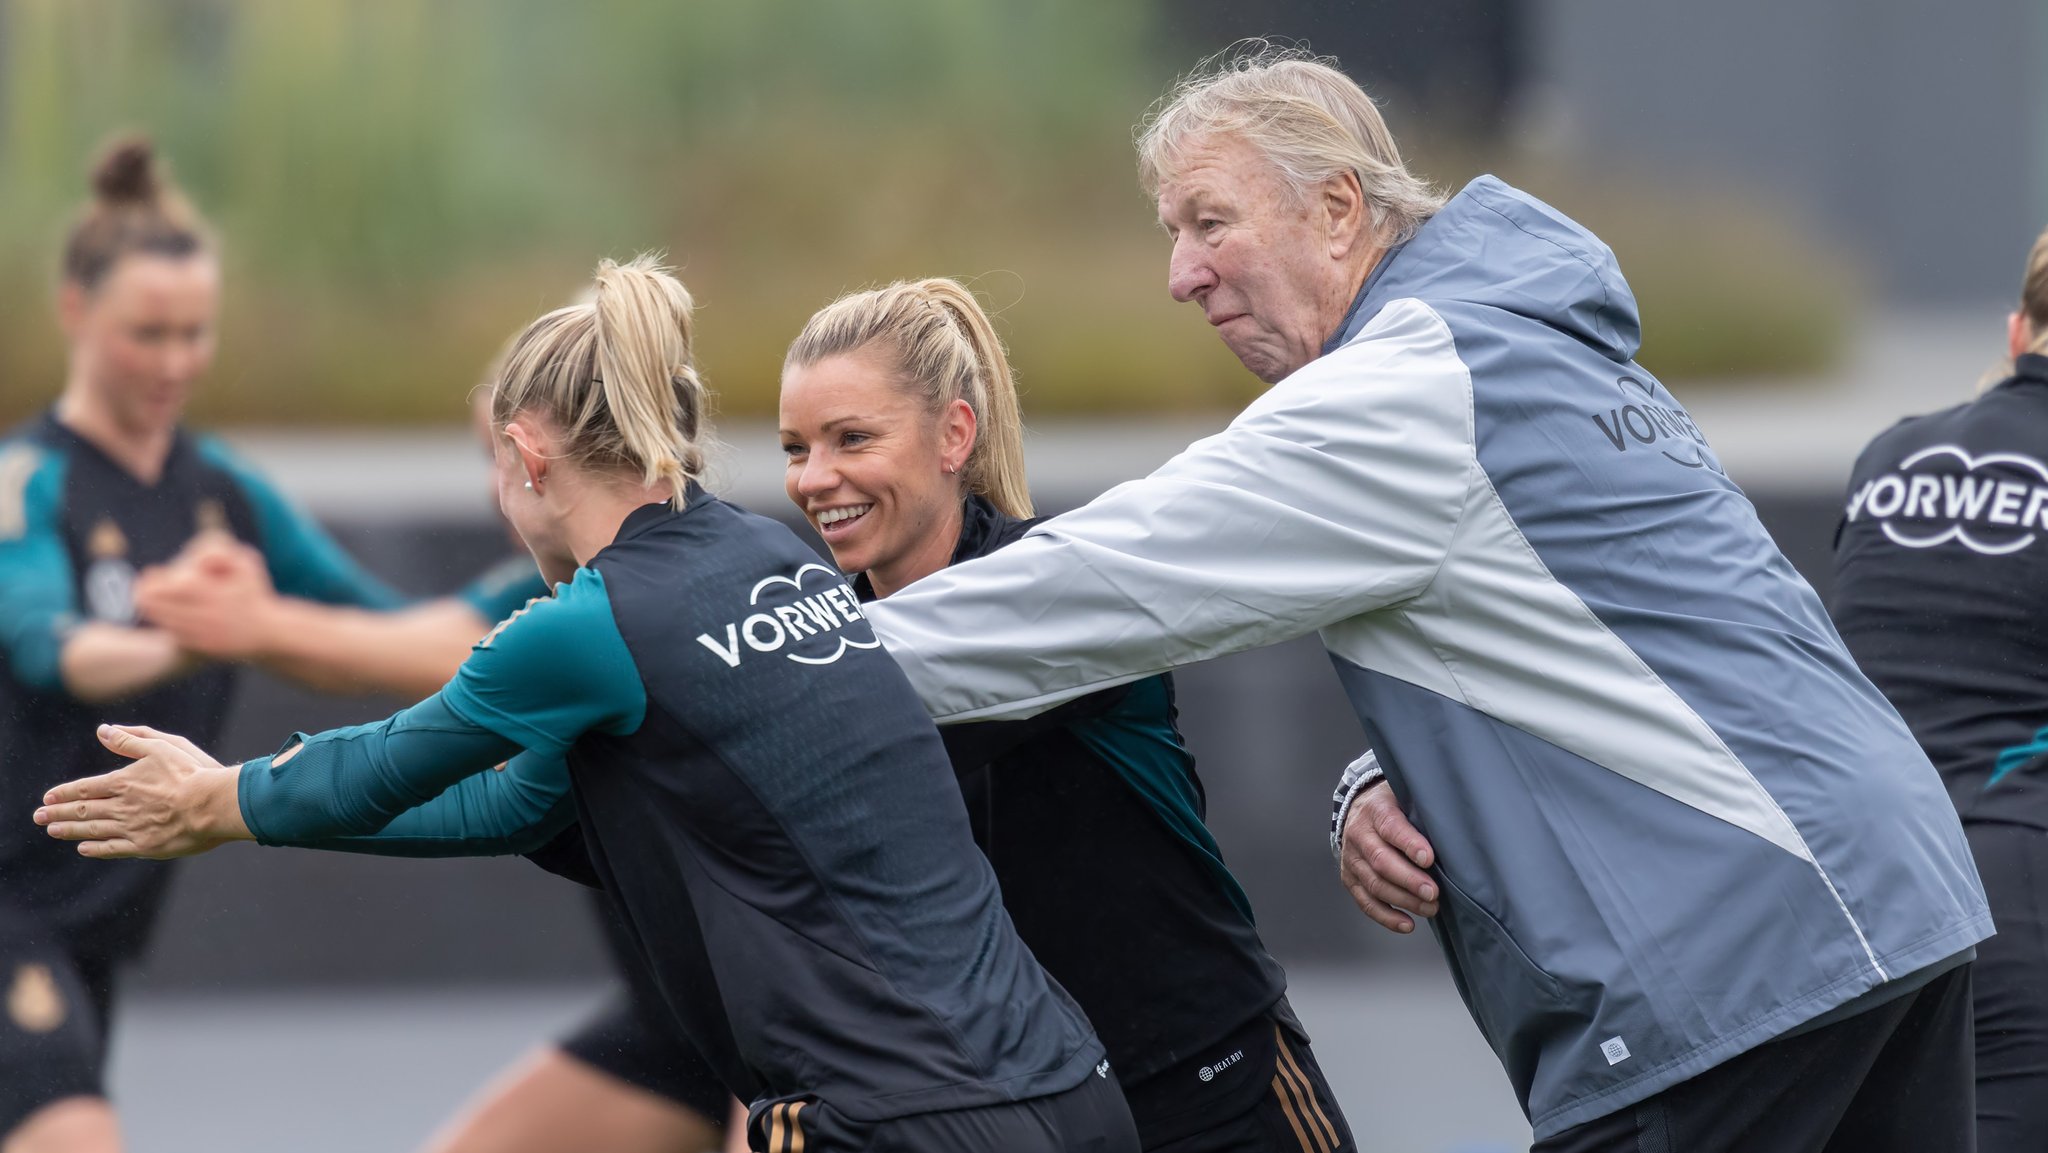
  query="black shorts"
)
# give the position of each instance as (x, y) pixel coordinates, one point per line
(2011, 989)
(1895, 1078)
(635, 1038)
(53, 1020)
(1089, 1118)
(1258, 1091)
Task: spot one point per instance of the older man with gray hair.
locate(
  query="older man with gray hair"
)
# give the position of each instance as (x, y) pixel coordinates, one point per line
(1701, 890)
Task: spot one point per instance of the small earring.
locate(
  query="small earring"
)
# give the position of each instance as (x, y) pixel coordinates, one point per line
(529, 486)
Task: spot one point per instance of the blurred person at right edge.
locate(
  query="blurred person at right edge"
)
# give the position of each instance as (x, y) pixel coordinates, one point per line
(1700, 888)
(1941, 566)
(905, 449)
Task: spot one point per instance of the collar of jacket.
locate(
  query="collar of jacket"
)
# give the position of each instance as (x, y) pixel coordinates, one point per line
(983, 530)
(2028, 368)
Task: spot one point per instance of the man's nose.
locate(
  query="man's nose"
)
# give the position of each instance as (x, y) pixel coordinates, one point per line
(1188, 274)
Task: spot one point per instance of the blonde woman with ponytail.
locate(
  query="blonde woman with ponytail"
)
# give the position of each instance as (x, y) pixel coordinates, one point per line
(700, 722)
(904, 443)
(1941, 591)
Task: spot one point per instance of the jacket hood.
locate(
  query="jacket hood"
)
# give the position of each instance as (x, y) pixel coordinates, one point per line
(1499, 247)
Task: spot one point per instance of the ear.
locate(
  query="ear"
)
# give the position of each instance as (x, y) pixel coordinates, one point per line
(2019, 335)
(72, 304)
(531, 445)
(957, 429)
(1346, 214)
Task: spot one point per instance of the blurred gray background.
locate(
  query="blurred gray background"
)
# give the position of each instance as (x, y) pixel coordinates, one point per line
(1824, 205)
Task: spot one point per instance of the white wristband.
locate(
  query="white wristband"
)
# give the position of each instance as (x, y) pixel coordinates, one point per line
(1359, 775)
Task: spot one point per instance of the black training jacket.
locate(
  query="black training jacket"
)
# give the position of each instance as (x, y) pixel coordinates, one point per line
(1093, 817)
(1941, 563)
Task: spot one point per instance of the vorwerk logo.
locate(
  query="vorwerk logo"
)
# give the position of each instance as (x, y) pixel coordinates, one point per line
(1641, 421)
(1985, 513)
(773, 627)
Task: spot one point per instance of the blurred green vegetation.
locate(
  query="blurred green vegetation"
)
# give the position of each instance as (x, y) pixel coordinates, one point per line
(400, 185)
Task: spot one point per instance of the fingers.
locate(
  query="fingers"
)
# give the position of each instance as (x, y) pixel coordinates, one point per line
(1367, 868)
(132, 741)
(1387, 819)
(171, 739)
(86, 789)
(118, 848)
(1386, 915)
(1389, 871)
(99, 830)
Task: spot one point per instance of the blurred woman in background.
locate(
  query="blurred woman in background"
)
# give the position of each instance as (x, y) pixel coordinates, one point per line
(901, 427)
(1941, 568)
(102, 486)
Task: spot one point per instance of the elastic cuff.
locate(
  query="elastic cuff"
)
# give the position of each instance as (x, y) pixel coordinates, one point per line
(255, 777)
(1359, 775)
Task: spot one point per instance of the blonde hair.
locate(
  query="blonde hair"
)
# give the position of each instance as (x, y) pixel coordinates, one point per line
(135, 208)
(1308, 119)
(617, 376)
(2034, 293)
(942, 347)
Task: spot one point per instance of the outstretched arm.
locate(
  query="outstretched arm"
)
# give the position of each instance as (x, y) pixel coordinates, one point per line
(545, 677)
(217, 599)
(175, 800)
(1335, 494)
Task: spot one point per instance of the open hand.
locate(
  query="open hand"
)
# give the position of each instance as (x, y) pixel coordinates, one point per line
(173, 800)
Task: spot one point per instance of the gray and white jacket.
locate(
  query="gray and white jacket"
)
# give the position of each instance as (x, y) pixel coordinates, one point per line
(1674, 821)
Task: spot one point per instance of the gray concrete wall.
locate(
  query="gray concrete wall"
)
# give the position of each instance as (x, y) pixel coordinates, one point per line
(1914, 133)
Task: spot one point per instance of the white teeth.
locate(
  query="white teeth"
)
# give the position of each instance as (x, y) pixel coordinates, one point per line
(835, 515)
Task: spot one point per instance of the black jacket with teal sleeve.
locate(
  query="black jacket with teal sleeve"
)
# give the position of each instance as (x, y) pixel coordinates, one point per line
(75, 529)
(766, 803)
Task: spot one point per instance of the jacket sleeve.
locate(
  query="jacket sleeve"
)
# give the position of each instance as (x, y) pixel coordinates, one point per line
(37, 607)
(304, 561)
(1335, 494)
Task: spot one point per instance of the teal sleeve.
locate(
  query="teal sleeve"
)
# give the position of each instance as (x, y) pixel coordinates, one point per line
(304, 561)
(551, 672)
(518, 808)
(1142, 743)
(352, 782)
(504, 588)
(38, 603)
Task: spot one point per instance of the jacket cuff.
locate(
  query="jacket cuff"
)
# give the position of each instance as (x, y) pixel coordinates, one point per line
(1359, 775)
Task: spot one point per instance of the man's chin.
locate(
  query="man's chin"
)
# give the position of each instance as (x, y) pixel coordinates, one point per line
(1261, 362)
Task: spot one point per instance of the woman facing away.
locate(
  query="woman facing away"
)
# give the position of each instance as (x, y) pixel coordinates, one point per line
(901, 426)
(623, 1079)
(94, 493)
(753, 782)
(1941, 591)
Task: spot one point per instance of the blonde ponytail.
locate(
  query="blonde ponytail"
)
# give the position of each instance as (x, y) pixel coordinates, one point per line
(2034, 294)
(616, 375)
(942, 347)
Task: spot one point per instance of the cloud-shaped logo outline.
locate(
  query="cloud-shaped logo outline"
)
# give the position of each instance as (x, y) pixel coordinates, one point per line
(797, 582)
(1957, 532)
